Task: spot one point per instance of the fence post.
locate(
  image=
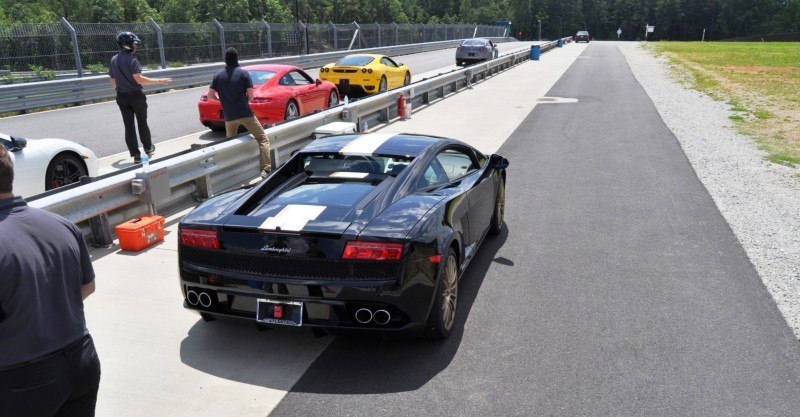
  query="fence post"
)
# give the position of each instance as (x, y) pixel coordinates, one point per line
(269, 37)
(305, 36)
(358, 32)
(75, 50)
(221, 36)
(396, 34)
(160, 39)
(335, 36)
(379, 34)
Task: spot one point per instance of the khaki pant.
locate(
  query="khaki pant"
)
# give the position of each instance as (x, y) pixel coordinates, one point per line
(254, 127)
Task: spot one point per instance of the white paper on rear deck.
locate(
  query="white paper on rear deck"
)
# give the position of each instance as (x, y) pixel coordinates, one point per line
(293, 217)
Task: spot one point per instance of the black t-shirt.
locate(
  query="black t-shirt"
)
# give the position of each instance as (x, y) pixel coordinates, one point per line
(231, 83)
(123, 66)
(44, 262)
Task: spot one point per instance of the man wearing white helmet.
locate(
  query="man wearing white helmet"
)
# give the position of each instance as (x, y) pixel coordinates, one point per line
(127, 79)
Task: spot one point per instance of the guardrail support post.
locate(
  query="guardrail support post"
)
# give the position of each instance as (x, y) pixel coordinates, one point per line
(269, 37)
(396, 33)
(101, 229)
(203, 184)
(160, 39)
(335, 36)
(75, 49)
(221, 36)
(379, 33)
(475, 32)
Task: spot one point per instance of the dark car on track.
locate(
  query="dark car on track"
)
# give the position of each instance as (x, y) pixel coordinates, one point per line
(582, 36)
(367, 232)
(475, 50)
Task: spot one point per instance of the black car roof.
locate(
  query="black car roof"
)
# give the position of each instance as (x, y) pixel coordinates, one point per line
(392, 144)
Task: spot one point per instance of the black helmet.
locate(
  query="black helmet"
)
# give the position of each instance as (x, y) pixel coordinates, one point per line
(126, 40)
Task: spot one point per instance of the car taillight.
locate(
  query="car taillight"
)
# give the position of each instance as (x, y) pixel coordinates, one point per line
(364, 70)
(200, 238)
(484, 49)
(204, 98)
(373, 251)
(261, 100)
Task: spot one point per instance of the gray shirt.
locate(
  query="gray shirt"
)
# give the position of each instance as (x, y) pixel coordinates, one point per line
(123, 66)
(44, 262)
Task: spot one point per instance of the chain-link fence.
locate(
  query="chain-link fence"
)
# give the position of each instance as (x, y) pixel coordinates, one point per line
(27, 48)
(24, 46)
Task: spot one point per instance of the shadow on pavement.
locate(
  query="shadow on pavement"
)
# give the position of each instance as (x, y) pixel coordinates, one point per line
(372, 365)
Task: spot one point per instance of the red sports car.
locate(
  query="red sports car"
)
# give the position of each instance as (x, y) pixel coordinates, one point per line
(281, 92)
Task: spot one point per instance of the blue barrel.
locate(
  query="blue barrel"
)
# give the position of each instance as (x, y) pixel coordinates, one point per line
(535, 51)
(560, 43)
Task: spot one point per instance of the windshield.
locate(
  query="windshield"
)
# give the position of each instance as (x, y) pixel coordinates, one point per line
(354, 61)
(583, 32)
(260, 77)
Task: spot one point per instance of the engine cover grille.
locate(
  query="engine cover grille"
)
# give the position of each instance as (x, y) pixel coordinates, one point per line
(290, 267)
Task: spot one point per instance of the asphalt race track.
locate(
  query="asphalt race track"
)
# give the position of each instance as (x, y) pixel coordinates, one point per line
(616, 288)
(170, 115)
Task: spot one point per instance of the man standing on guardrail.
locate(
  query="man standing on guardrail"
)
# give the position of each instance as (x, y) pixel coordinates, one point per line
(233, 88)
(48, 363)
(126, 77)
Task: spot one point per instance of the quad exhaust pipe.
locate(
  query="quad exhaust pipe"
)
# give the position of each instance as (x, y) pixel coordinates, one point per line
(379, 317)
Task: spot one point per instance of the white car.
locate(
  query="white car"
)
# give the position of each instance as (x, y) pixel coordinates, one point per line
(44, 164)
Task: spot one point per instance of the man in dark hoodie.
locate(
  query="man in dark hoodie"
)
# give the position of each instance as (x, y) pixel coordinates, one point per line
(233, 87)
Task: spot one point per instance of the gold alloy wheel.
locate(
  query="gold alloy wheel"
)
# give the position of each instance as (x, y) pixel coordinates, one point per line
(501, 205)
(449, 293)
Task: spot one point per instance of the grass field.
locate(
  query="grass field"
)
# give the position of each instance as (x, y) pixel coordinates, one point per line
(760, 80)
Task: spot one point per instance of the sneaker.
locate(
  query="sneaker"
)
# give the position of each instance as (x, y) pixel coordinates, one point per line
(137, 159)
(150, 151)
(265, 173)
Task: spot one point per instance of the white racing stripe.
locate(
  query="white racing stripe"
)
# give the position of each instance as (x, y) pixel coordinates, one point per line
(293, 217)
(366, 144)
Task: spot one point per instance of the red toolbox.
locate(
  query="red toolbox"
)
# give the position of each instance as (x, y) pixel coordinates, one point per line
(139, 233)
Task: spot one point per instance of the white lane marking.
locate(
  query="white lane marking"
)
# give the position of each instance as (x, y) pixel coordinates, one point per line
(349, 174)
(366, 144)
(293, 217)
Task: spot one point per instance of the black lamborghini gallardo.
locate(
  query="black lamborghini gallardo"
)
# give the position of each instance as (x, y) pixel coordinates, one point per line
(365, 232)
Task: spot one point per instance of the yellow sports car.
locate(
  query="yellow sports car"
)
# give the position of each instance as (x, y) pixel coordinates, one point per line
(366, 74)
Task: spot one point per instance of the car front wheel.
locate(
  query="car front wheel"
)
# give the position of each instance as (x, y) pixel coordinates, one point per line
(333, 98)
(499, 209)
(64, 169)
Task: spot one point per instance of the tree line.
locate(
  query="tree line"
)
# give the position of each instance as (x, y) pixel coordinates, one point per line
(673, 19)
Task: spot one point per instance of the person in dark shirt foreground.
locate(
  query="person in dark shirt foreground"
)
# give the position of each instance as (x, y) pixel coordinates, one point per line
(48, 363)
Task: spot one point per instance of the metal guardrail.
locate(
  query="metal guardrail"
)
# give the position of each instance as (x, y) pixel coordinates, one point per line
(21, 97)
(203, 172)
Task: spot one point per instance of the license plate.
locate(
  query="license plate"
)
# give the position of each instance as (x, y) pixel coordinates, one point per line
(286, 313)
(344, 82)
(471, 54)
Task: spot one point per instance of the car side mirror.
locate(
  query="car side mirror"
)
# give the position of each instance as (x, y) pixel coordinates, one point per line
(19, 144)
(318, 81)
(498, 162)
